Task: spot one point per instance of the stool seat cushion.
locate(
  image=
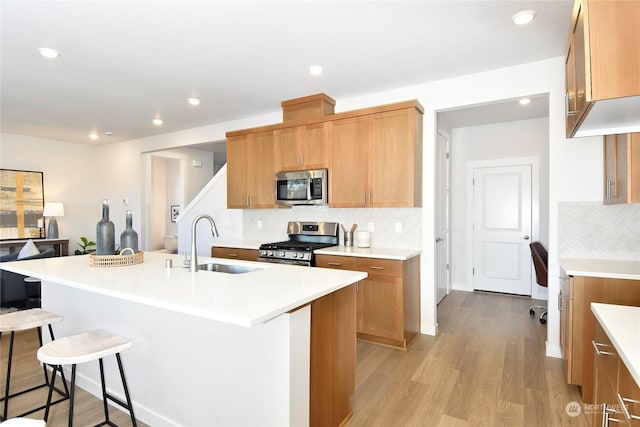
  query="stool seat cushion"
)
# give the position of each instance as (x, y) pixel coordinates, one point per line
(83, 347)
(23, 422)
(27, 319)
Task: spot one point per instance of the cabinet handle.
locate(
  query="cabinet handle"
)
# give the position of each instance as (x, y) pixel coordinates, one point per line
(335, 264)
(599, 352)
(561, 303)
(606, 416)
(369, 197)
(611, 185)
(232, 255)
(375, 267)
(625, 410)
(570, 113)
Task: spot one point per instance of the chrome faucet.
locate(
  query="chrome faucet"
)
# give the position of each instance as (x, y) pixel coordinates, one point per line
(193, 261)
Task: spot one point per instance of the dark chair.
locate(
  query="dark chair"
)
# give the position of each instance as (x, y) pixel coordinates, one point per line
(540, 263)
(14, 292)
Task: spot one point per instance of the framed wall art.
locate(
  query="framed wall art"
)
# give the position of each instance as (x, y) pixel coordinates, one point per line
(175, 211)
(21, 204)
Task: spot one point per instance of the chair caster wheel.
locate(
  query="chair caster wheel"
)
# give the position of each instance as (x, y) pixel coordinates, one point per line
(543, 320)
(532, 313)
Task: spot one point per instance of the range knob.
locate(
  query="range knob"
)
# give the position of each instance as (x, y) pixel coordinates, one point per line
(282, 254)
(270, 253)
(294, 255)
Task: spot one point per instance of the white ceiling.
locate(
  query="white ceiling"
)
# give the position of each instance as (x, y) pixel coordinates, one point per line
(123, 63)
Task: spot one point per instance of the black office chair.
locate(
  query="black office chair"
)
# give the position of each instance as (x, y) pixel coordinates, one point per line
(539, 257)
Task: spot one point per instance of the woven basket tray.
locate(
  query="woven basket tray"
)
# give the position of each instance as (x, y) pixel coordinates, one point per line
(115, 260)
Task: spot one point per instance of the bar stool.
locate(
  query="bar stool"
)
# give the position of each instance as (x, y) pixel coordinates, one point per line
(20, 321)
(81, 348)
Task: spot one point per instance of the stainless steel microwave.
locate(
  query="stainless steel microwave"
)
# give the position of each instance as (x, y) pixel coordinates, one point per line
(308, 187)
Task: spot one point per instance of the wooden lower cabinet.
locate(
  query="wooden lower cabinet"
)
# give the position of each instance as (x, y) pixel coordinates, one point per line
(333, 358)
(235, 253)
(388, 300)
(580, 324)
(616, 396)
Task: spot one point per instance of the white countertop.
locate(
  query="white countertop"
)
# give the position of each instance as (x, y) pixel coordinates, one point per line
(241, 299)
(612, 269)
(620, 323)
(372, 252)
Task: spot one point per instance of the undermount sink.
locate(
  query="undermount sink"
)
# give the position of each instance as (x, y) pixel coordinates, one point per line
(227, 268)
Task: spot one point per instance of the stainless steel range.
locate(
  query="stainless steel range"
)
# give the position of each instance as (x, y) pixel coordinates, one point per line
(304, 238)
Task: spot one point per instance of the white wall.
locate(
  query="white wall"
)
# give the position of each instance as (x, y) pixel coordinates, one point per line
(70, 176)
(516, 139)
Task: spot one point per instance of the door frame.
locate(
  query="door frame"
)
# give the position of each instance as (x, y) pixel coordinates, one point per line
(534, 163)
(447, 196)
(147, 196)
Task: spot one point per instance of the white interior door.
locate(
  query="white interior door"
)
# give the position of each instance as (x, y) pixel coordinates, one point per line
(502, 229)
(442, 218)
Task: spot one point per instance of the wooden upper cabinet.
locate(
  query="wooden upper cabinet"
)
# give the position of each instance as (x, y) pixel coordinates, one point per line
(373, 156)
(395, 170)
(262, 171)
(602, 59)
(302, 147)
(251, 171)
(349, 162)
(376, 160)
(622, 168)
(237, 171)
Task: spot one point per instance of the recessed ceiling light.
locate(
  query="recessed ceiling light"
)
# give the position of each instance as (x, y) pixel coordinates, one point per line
(524, 101)
(48, 53)
(315, 70)
(157, 122)
(109, 133)
(194, 101)
(93, 136)
(524, 17)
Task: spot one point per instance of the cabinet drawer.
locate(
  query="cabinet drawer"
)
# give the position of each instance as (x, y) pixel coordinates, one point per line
(606, 357)
(235, 253)
(628, 395)
(335, 261)
(379, 267)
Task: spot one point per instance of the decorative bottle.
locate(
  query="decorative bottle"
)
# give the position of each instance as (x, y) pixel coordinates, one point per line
(105, 233)
(129, 237)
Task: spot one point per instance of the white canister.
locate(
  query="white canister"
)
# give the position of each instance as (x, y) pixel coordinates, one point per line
(364, 239)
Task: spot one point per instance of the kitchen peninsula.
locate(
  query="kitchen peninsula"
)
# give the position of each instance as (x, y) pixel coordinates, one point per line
(213, 348)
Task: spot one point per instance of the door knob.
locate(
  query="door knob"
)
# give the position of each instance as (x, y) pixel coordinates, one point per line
(526, 237)
(438, 240)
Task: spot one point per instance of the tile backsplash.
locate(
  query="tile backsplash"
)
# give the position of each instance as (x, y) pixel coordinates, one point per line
(595, 230)
(385, 222)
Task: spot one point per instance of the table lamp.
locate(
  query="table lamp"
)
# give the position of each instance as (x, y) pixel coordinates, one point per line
(52, 210)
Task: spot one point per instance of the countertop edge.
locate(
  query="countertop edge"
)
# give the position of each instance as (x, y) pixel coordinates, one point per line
(632, 367)
(602, 268)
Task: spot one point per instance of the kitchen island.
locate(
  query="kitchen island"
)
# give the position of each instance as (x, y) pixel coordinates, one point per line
(210, 348)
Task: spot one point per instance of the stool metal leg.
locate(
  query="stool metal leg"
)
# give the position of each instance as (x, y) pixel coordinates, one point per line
(126, 390)
(8, 382)
(72, 393)
(104, 394)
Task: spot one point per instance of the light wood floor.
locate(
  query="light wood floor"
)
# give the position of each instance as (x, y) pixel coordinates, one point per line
(486, 367)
